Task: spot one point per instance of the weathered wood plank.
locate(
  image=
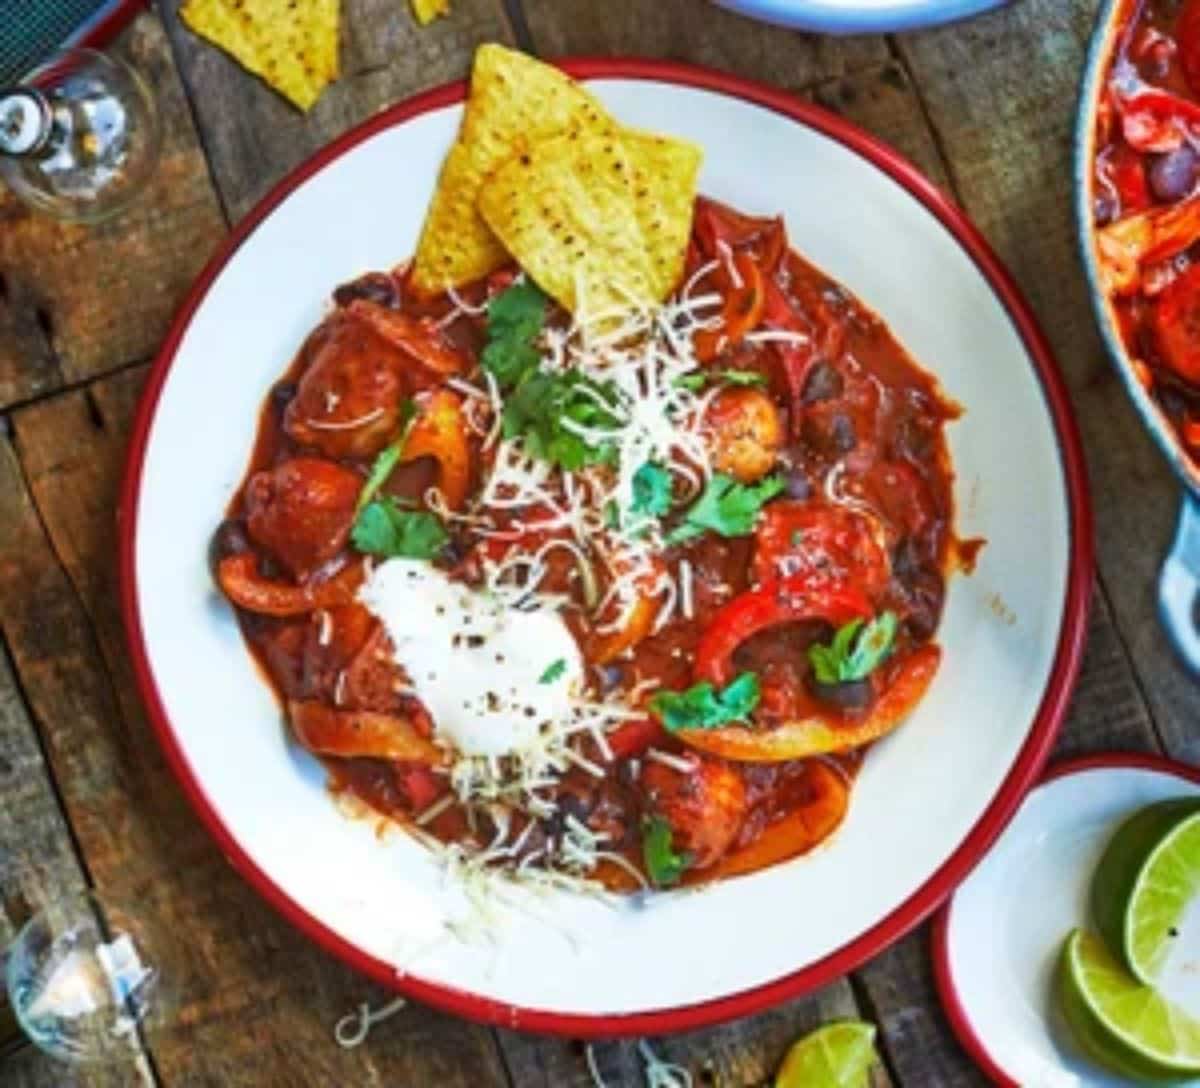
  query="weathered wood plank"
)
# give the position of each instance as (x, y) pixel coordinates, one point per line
(682, 30)
(37, 865)
(257, 1002)
(253, 136)
(76, 300)
(1001, 93)
(740, 1054)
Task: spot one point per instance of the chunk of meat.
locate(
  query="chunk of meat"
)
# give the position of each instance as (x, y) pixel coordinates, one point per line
(348, 400)
(745, 433)
(301, 511)
(704, 808)
(373, 679)
(420, 338)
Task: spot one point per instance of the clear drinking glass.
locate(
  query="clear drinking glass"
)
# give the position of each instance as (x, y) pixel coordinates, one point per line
(83, 981)
(80, 137)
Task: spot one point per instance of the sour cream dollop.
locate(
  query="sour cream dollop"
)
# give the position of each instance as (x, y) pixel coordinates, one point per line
(489, 675)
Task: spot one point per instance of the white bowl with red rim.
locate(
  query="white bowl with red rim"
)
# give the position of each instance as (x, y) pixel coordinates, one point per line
(931, 797)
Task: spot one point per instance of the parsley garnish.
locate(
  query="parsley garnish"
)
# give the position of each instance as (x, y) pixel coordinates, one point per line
(388, 457)
(696, 380)
(553, 671)
(514, 321)
(538, 408)
(385, 528)
(663, 865)
(855, 652)
(703, 707)
(651, 490)
(726, 507)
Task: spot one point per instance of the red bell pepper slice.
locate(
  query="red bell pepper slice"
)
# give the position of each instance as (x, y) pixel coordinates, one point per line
(742, 287)
(1151, 119)
(788, 600)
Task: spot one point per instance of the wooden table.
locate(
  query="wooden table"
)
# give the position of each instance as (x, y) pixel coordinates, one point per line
(984, 108)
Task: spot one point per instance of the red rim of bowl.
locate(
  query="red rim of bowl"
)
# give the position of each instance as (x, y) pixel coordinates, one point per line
(1025, 768)
(943, 973)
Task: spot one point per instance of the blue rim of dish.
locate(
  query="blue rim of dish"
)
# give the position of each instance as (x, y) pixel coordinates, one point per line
(852, 17)
(1096, 66)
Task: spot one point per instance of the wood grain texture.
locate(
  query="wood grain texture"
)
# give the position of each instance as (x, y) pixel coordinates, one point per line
(699, 33)
(1001, 92)
(253, 136)
(740, 1054)
(255, 1002)
(78, 300)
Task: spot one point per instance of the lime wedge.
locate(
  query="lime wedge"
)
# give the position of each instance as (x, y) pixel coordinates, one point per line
(839, 1055)
(1149, 873)
(1123, 1025)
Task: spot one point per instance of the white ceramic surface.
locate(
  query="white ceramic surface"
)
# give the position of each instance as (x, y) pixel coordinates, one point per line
(922, 790)
(1006, 924)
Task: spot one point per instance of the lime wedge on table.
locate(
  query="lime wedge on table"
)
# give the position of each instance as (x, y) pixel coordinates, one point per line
(1149, 873)
(1128, 1027)
(839, 1055)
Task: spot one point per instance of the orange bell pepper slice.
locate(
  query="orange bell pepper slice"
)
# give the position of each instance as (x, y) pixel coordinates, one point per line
(360, 734)
(796, 832)
(818, 734)
(440, 431)
(238, 577)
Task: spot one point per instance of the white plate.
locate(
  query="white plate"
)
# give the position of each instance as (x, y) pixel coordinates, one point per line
(931, 797)
(997, 943)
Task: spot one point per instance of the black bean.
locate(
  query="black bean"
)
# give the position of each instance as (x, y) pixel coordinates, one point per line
(846, 695)
(1173, 403)
(1104, 208)
(282, 394)
(796, 485)
(609, 676)
(229, 539)
(374, 287)
(845, 437)
(1173, 174)
(824, 382)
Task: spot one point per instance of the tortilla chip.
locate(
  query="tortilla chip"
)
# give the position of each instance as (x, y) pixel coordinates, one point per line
(293, 46)
(664, 172)
(564, 209)
(515, 101)
(428, 10)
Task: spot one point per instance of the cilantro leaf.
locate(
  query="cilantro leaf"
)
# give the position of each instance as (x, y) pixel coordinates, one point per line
(703, 707)
(855, 652)
(663, 865)
(741, 377)
(546, 407)
(651, 490)
(553, 671)
(514, 321)
(389, 457)
(384, 528)
(726, 507)
(697, 379)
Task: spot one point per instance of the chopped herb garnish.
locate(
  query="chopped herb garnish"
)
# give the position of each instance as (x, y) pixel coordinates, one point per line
(703, 707)
(855, 652)
(383, 527)
(388, 457)
(663, 865)
(547, 412)
(726, 507)
(514, 321)
(651, 490)
(554, 671)
(696, 380)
